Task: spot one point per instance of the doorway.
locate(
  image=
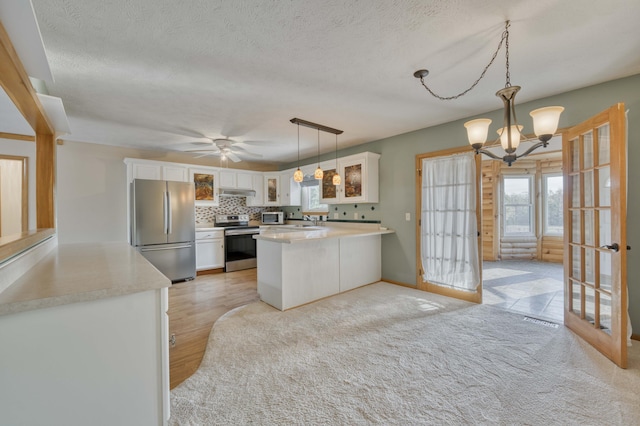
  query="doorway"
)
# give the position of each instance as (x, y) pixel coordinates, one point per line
(13, 195)
(522, 226)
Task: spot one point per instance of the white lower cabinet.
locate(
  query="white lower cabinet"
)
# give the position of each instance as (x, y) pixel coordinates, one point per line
(209, 250)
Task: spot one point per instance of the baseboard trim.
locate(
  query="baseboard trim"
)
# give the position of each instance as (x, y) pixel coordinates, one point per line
(635, 336)
(210, 271)
(399, 283)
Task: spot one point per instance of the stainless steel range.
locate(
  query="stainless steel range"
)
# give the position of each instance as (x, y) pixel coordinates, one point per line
(239, 246)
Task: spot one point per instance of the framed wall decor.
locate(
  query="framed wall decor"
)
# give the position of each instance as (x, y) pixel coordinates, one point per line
(206, 186)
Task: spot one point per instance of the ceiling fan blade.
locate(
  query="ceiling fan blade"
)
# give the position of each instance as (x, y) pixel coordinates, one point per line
(233, 157)
(212, 149)
(240, 151)
(263, 143)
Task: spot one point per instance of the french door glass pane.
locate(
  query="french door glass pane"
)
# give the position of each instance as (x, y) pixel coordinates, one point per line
(587, 144)
(588, 228)
(603, 144)
(590, 265)
(575, 191)
(604, 186)
(605, 313)
(589, 303)
(605, 271)
(576, 263)
(575, 298)
(575, 227)
(588, 189)
(604, 217)
(575, 155)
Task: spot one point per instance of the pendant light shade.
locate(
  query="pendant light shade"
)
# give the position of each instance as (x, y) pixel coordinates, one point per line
(515, 138)
(545, 120)
(477, 131)
(298, 176)
(318, 173)
(336, 177)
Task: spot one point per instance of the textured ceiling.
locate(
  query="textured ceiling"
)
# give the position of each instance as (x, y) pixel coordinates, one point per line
(156, 73)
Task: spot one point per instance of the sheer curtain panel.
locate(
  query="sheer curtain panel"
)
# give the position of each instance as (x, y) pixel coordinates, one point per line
(449, 234)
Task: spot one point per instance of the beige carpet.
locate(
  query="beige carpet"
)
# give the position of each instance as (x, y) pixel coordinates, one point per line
(384, 354)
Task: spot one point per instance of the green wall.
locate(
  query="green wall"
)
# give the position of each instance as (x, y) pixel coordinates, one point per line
(397, 173)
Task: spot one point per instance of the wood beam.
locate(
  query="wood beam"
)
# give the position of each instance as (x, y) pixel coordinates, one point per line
(15, 81)
(45, 180)
(17, 137)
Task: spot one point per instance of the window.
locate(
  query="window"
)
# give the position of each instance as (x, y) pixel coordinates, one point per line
(553, 221)
(311, 199)
(517, 197)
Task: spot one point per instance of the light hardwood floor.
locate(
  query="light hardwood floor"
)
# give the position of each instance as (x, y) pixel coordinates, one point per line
(193, 308)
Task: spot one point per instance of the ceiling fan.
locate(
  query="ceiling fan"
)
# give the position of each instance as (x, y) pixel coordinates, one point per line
(221, 147)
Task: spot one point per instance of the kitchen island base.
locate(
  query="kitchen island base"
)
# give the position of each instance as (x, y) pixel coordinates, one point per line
(291, 275)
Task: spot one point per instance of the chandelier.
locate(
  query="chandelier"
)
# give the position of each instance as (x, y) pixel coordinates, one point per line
(319, 174)
(545, 120)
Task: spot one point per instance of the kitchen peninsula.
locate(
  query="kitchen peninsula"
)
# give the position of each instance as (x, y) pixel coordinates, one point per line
(297, 265)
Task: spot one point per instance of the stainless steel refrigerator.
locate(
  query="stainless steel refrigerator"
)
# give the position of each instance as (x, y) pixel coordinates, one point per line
(163, 226)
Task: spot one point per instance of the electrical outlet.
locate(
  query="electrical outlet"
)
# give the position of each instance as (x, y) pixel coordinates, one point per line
(336, 216)
(355, 215)
(407, 217)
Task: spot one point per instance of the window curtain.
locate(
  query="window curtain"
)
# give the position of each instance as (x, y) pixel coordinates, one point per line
(449, 245)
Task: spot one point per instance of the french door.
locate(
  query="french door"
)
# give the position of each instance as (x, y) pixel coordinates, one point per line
(595, 271)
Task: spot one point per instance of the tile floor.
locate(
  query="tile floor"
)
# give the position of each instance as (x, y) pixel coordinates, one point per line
(528, 287)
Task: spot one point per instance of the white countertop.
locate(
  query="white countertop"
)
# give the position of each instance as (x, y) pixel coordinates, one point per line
(81, 272)
(291, 234)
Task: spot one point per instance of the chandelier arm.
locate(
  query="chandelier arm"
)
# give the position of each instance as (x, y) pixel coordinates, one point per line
(533, 148)
(421, 75)
(488, 154)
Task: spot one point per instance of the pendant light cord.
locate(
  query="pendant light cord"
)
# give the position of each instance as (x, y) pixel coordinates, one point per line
(318, 148)
(298, 145)
(504, 39)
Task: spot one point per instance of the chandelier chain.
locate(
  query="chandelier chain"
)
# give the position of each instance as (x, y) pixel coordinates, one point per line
(505, 36)
(503, 39)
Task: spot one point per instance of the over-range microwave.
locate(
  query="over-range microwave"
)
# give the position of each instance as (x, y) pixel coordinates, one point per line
(272, 218)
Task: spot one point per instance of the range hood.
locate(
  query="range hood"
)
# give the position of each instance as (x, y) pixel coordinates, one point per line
(231, 192)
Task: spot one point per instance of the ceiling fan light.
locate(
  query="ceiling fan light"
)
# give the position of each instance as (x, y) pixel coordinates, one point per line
(515, 138)
(477, 131)
(545, 120)
(298, 176)
(337, 180)
(318, 173)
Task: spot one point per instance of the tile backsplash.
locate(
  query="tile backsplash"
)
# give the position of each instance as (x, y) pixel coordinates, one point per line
(230, 205)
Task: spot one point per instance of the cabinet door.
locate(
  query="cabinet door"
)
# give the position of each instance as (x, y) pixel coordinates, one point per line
(175, 173)
(218, 253)
(353, 187)
(227, 179)
(206, 184)
(244, 180)
(272, 190)
(330, 193)
(290, 193)
(146, 171)
(258, 186)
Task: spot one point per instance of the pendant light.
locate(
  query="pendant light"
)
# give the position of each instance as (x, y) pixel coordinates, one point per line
(336, 177)
(298, 176)
(318, 174)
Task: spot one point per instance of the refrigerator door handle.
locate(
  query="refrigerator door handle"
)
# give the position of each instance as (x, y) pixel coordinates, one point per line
(165, 248)
(164, 212)
(169, 219)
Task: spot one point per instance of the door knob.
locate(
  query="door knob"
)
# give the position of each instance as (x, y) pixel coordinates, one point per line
(615, 247)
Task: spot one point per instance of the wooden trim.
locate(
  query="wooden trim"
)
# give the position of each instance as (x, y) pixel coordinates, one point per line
(17, 137)
(16, 83)
(45, 181)
(17, 243)
(475, 297)
(635, 336)
(210, 271)
(399, 283)
(24, 218)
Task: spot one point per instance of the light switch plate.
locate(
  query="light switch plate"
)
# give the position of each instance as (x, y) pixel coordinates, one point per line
(336, 216)
(407, 217)
(355, 215)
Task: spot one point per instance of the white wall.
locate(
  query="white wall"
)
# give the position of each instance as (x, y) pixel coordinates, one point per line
(24, 149)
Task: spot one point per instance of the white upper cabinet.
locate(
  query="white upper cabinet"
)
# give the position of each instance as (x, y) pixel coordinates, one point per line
(175, 173)
(359, 174)
(290, 194)
(257, 184)
(207, 184)
(244, 180)
(145, 171)
(227, 179)
(271, 189)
